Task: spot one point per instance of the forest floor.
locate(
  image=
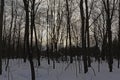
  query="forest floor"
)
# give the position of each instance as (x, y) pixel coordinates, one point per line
(18, 70)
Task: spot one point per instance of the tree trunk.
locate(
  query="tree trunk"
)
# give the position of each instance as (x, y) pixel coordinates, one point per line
(1, 27)
(119, 39)
(27, 46)
(47, 46)
(69, 30)
(83, 36)
(87, 33)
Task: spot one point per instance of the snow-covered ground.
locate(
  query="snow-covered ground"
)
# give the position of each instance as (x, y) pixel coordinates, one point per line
(64, 71)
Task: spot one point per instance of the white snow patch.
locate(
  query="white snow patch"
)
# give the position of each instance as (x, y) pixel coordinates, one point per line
(18, 70)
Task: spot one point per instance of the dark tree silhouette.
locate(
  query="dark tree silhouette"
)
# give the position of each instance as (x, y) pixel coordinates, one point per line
(83, 36)
(119, 36)
(69, 28)
(1, 28)
(109, 16)
(26, 39)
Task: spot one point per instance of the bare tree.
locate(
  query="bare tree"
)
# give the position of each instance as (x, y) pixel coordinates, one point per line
(119, 34)
(26, 39)
(69, 28)
(83, 35)
(1, 27)
(109, 16)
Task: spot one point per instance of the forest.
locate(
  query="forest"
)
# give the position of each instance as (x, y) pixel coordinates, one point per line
(60, 31)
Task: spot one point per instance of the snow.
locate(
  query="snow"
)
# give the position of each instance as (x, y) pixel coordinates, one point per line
(18, 70)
